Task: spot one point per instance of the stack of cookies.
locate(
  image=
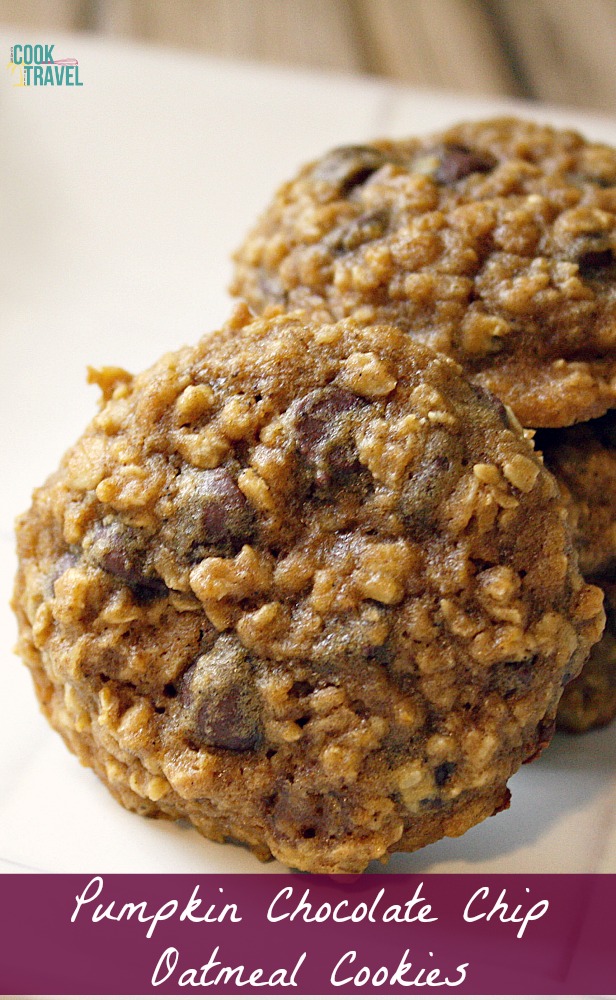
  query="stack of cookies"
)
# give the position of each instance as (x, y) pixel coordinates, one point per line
(309, 584)
(494, 243)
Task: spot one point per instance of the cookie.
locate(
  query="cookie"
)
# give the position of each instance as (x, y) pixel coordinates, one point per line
(307, 587)
(583, 460)
(589, 701)
(492, 242)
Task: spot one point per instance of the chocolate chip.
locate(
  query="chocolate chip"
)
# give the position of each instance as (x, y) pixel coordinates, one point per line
(426, 488)
(363, 229)
(212, 511)
(456, 162)
(220, 698)
(294, 809)
(122, 552)
(316, 412)
(512, 677)
(225, 511)
(597, 264)
(443, 772)
(431, 803)
(432, 481)
(323, 432)
(348, 166)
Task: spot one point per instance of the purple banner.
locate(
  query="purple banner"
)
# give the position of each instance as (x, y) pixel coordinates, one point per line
(302, 934)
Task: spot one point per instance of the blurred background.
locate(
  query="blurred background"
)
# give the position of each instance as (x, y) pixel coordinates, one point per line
(559, 51)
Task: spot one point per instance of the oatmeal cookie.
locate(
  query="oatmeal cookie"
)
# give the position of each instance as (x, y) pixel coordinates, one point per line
(589, 701)
(307, 587)
(492, 242)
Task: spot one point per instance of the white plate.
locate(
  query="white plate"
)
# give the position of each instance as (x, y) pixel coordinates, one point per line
(122, 200)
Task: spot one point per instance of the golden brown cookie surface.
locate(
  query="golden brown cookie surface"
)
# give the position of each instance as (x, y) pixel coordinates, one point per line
(307, 587)
(492, 242)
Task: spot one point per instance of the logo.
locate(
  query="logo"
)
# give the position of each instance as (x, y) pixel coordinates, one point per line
(36, 66)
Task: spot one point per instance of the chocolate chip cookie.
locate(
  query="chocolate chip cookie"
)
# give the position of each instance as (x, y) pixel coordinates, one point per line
(492, 242)
(305, 586)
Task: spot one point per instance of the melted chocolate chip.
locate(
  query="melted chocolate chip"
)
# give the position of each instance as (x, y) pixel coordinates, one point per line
(221, 725)
(348, 166)
(597, 265)
(212, 511)
(432, 481)
(443, 772)
(367, 227)
(121, 551)
(221, 700)
(323, 432)
(512, 677)
(456, 162)
(431, 803)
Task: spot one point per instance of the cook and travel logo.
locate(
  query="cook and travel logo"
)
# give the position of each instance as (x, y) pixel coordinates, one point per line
(37, 66)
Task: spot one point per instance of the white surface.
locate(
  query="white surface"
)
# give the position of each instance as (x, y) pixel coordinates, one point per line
(121, 201)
